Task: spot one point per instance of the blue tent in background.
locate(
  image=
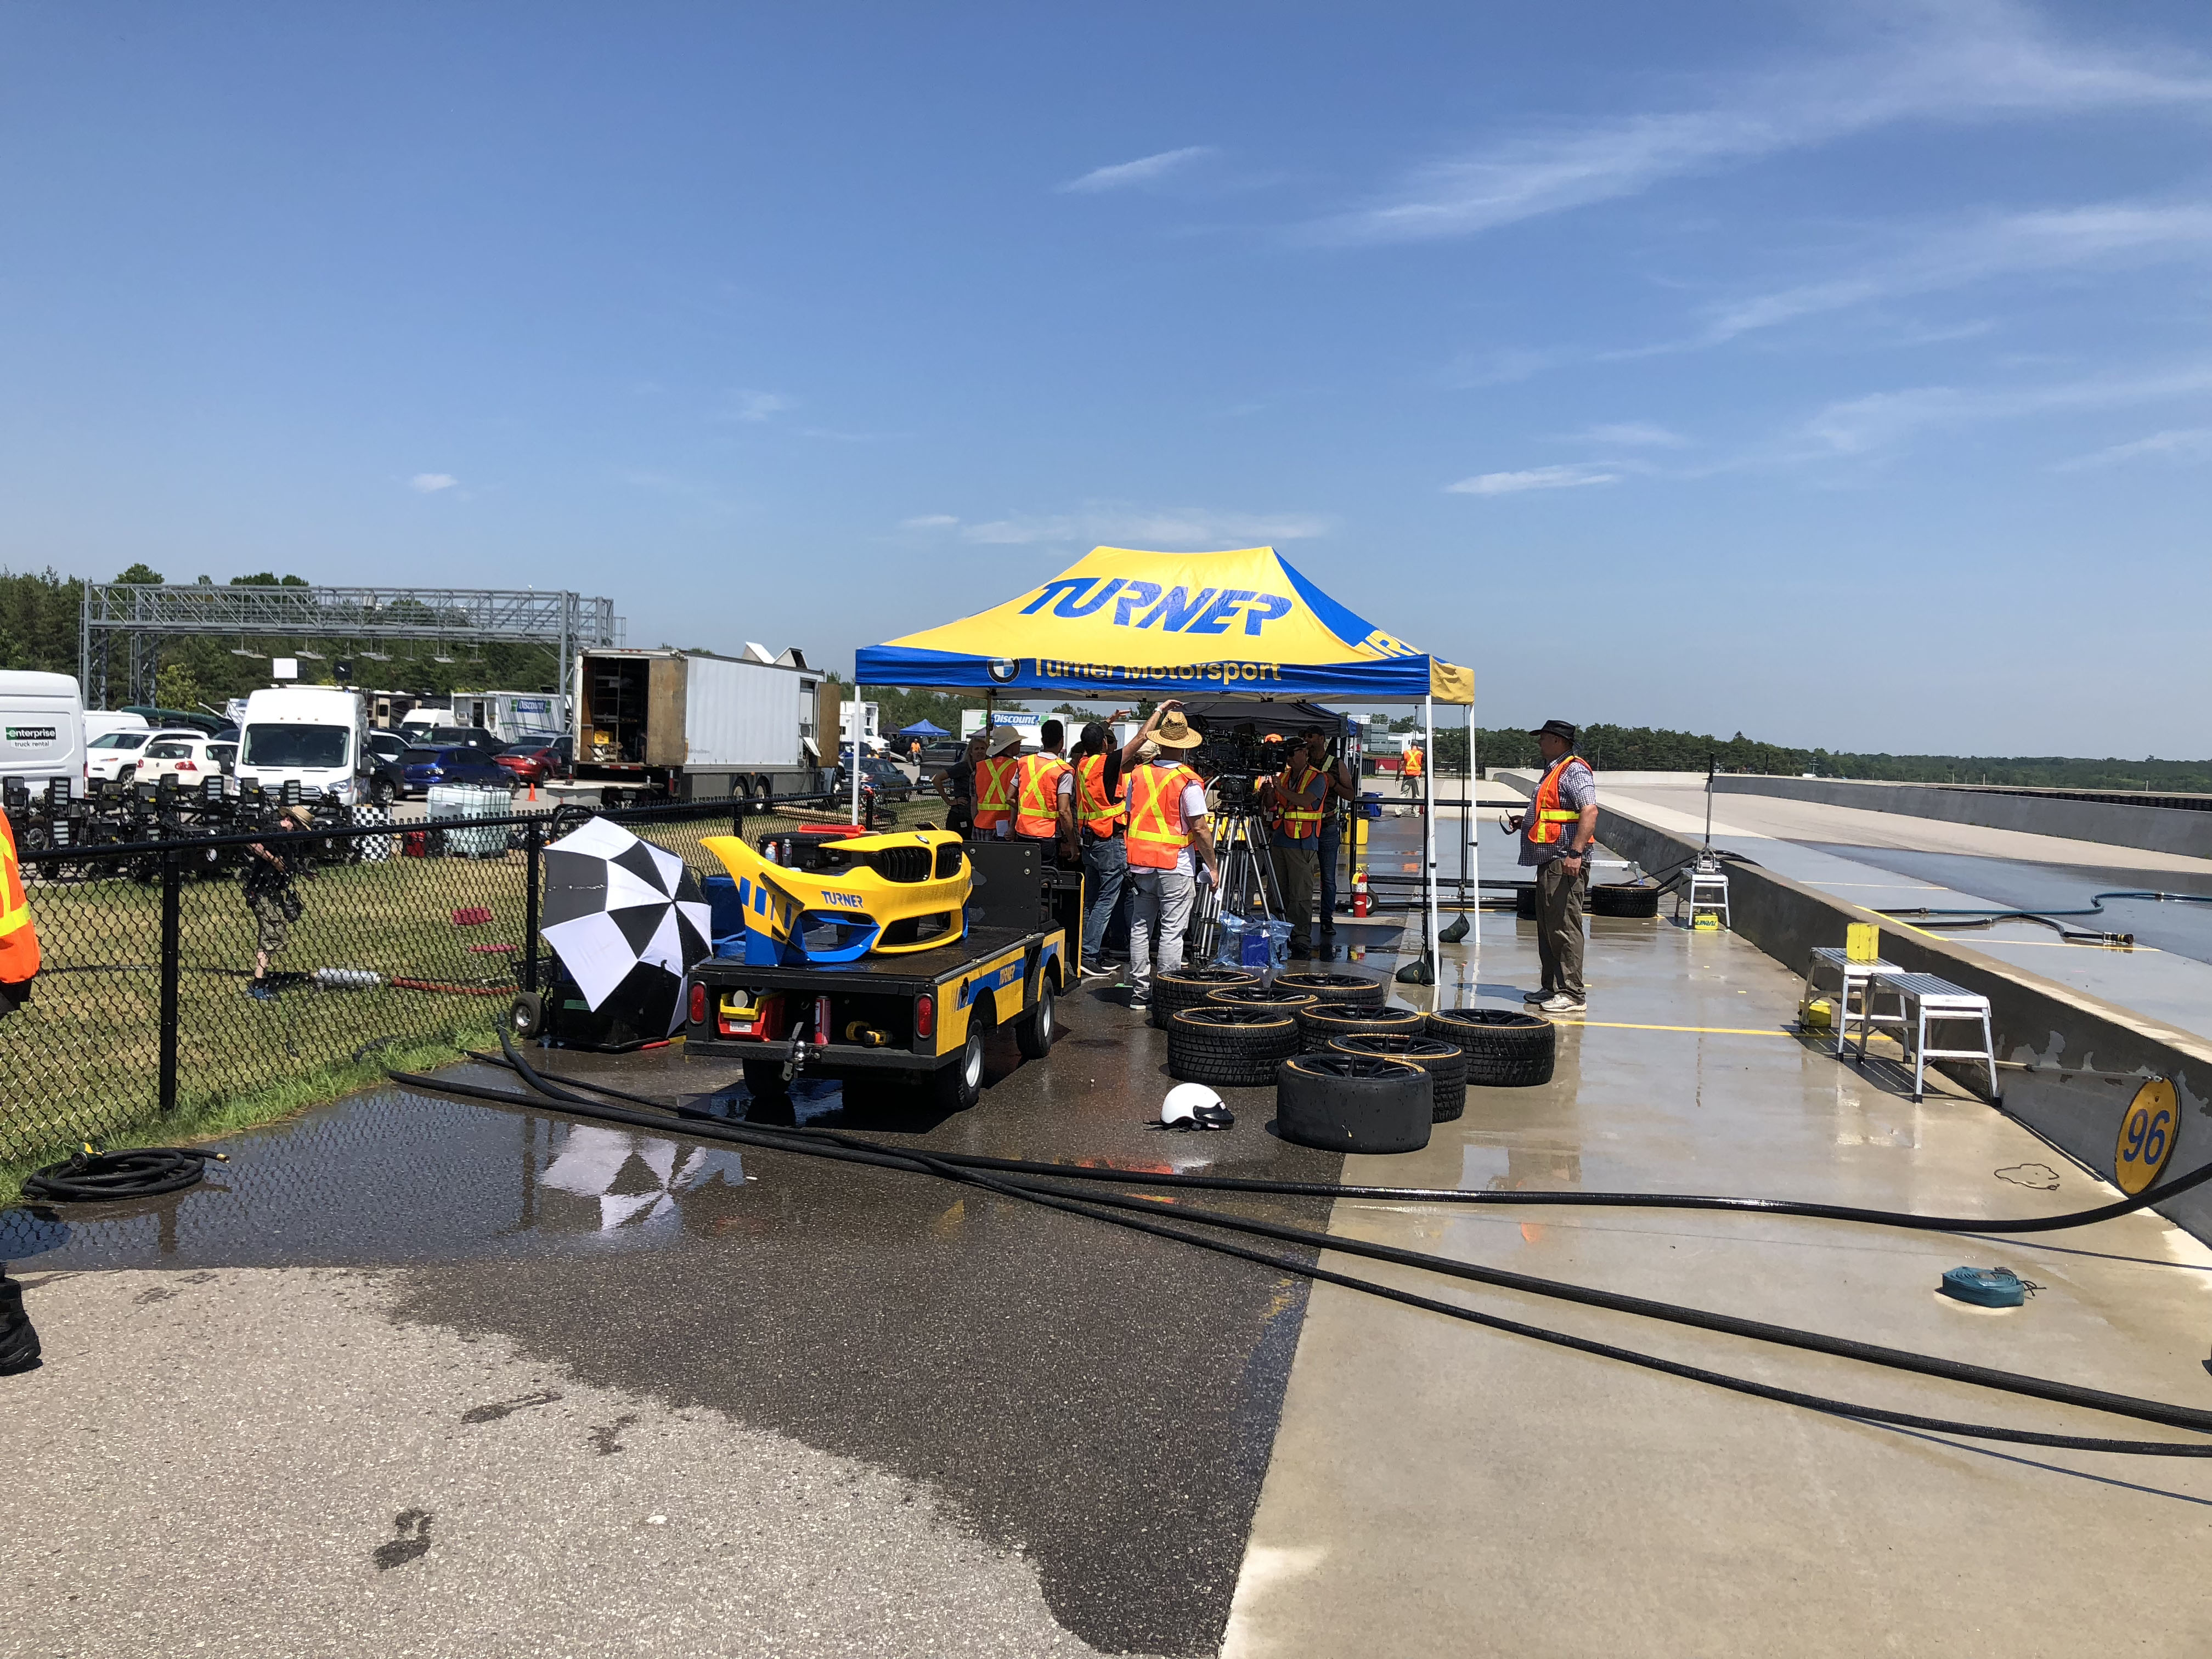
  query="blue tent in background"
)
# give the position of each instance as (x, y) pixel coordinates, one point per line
(921, 729)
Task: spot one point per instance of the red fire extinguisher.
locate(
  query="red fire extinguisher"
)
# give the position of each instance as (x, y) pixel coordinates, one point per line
(1359, 892)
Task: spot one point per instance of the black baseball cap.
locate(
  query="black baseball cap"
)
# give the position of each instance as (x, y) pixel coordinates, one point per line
(1559, 729)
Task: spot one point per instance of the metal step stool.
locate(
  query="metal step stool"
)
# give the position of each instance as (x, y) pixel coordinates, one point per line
(1853, 976)
(1923, 999)
(1707, 891)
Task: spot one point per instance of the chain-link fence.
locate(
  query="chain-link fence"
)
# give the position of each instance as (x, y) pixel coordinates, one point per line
(169, 983)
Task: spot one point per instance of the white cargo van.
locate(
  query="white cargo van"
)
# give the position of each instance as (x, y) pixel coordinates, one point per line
(41, 729)
(313, 733)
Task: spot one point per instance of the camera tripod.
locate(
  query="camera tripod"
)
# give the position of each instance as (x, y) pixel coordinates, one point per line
(1247, 878)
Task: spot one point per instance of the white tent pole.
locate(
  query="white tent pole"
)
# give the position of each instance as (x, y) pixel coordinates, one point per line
(1472, 852)
(1429, 827)
(856, 745)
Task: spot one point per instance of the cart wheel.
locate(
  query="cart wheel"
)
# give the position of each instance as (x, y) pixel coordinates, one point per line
(764, 1080)
(958, 1086)
(1034, 1035)
(526, 1016)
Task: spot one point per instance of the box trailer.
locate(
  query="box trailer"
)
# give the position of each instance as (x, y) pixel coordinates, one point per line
(512, 716)
(692, 726)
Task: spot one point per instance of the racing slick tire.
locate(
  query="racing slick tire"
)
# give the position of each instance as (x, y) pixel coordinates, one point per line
(1624, 898)
(1262, 996)
(1445, 1062)
(1353, 1103)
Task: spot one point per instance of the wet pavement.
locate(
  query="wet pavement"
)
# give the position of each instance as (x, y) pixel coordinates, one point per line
(1098, 1403)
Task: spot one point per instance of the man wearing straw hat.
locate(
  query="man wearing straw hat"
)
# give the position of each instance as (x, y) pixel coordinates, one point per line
(1557, 833)
(1169, 842)
(996, 776)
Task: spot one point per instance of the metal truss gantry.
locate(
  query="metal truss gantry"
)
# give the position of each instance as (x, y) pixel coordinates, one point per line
(142, 614)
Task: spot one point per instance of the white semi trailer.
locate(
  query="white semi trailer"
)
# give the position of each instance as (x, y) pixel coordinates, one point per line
(693, 726)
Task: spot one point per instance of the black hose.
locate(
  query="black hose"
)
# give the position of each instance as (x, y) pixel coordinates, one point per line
(1900, 1218)
(1934, 919)
(90, 1177)
(1126, 1212)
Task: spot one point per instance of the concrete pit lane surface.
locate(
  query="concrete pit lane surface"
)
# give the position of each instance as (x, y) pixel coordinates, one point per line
(412, 1376)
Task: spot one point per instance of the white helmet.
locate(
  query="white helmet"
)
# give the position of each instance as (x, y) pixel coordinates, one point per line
(1194, 1106)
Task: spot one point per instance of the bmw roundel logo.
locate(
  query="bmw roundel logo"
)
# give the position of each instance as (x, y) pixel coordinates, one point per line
(1002, 669)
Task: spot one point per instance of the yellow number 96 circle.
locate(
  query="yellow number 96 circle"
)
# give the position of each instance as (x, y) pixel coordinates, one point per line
(2148, 1130)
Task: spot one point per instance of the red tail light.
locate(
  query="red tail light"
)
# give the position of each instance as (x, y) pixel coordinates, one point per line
(186, 766)
(698, 1005)
(925, 1016)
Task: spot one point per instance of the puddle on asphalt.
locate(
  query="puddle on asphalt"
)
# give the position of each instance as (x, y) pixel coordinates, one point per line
(392, 1176)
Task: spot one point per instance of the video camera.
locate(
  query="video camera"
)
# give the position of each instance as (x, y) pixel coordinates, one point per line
(1234, 758)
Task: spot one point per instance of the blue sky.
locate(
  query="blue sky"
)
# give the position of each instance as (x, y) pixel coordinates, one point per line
(1837, 374)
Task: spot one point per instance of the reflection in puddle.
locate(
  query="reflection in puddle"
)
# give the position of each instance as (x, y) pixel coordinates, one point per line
(393, 1177)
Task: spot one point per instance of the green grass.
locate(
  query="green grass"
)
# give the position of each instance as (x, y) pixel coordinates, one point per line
(214, 1118)
(82, 1060)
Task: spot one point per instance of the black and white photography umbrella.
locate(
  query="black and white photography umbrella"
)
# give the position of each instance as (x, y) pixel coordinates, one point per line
(627, 918)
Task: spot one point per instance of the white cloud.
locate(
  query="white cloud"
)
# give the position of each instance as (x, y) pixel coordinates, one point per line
(743, 404)
(1535, 478)
(929, 521)
(1964, 60)
(2057, 239)
(1858, 426)
(2181, 444)
(1169, 529)
(431, 482)
(1641, 434)
(1142, 171)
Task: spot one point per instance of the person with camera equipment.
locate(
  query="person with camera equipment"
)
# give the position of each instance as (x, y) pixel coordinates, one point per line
(267, 885)
(956, 785)
(1342, 799)
(1299, 796)
(1044, 795)
(1557, 833)
(1169, 842)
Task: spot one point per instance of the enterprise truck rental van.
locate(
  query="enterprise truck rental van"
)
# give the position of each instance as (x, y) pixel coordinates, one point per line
(41, 729)
(315, 733)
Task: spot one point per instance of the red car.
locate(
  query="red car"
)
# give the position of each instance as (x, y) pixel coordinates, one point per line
(540, 760)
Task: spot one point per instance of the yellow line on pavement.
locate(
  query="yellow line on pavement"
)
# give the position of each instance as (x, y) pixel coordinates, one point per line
(1708, 1031)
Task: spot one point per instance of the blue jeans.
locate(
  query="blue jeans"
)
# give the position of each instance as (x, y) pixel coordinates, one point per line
(1105, 867)
(1331, 845)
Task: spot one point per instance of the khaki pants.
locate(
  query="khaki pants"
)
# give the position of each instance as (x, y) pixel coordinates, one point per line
(1295, 870)
(1559, 927)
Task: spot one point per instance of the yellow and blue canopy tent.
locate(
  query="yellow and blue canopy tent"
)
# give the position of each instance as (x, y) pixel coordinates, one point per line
(1123, 623)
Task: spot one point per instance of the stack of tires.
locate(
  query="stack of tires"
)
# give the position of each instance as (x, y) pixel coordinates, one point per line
(1323, 1022)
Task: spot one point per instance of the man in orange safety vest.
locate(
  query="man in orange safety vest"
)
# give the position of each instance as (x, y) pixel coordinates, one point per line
(1044, 794)
(19, 939)
(995, 777)
(1557, 833)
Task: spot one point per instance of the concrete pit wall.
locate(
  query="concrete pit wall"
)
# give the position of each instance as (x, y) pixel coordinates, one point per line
(2075, 1060)
(2153, 828)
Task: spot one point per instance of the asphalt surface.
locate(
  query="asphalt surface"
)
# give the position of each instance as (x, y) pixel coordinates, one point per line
(1087, 1405)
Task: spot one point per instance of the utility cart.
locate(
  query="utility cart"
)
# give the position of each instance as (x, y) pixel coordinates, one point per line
(918, 1019)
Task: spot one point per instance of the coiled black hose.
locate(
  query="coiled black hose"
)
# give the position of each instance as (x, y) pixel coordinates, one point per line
(1140, 1215)
(90, 1177)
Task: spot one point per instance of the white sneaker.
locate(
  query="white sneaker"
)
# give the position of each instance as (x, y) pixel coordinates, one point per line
(1560, 1003)
(1098, 971)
